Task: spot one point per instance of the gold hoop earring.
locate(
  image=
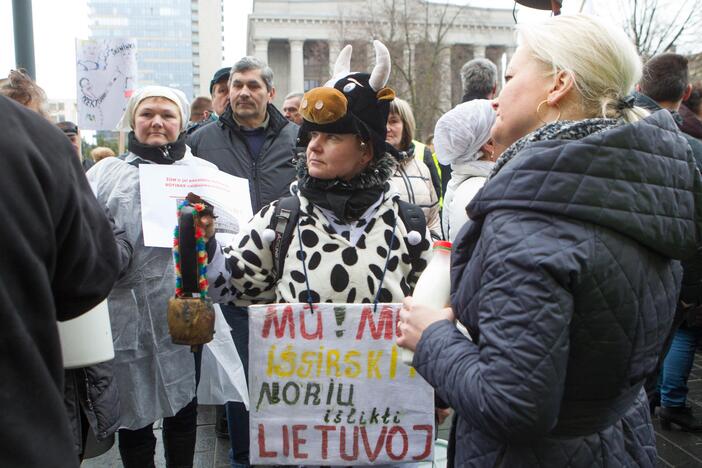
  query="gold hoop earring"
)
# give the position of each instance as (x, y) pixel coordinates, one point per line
(538, 112)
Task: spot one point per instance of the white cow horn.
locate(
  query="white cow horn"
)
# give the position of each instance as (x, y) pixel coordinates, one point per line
(381, 71)
(342, 67)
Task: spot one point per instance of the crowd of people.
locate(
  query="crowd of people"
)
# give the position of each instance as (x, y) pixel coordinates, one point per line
(572, 197)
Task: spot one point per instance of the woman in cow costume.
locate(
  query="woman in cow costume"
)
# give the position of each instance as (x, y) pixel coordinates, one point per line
(349, 242)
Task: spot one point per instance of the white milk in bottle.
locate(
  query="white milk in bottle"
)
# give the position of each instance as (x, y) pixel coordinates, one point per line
(433, 287)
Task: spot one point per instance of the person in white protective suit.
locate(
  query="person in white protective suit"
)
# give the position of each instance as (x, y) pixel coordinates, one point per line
(462, 139)
(156, 378)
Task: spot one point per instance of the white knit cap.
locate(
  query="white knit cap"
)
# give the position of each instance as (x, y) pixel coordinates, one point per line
(462, 131)
(177, 96)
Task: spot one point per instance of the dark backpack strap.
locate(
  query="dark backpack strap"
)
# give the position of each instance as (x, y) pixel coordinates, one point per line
(413, 218)
(283, 222)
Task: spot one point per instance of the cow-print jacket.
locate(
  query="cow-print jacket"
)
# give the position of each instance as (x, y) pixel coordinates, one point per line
(338, 269)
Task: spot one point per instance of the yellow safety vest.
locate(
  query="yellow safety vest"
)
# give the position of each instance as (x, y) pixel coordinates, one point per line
(419, 148)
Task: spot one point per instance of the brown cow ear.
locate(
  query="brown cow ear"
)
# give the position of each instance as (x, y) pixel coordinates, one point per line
(323, 105)
(385, 94)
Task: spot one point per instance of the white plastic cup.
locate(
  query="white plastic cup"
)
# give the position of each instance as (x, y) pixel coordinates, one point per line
(87, 339)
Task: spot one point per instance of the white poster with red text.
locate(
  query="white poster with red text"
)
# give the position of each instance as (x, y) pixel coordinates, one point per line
(164, 186)
(328, 386)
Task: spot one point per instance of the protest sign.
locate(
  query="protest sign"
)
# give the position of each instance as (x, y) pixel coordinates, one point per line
(163, 187)
(328, 387)
(106, 72)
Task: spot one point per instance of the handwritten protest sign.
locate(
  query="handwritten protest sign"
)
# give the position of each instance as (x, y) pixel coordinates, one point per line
(328, 387)
(162, 187)
(106, 71)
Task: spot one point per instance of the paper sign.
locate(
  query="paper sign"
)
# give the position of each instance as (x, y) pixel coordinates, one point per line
(163, 187)
(328, 387)
(106, 72)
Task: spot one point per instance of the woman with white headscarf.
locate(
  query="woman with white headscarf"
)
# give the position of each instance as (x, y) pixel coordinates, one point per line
(462, 139)
(156, 379)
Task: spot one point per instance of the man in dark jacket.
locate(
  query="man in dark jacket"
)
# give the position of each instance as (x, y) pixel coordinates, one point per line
(72, 131)
(59, 260)
(690, 112)
(252, 140)
(665, 85)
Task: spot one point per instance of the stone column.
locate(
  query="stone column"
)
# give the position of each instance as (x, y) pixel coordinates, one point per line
(297, 66)
(445, 86)
(261, 49)
(334, 49)
(478, 51)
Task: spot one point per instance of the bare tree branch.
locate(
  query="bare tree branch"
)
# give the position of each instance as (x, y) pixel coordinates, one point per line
(657, 26)
(415, 33)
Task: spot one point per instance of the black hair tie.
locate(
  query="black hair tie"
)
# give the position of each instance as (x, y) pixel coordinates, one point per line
(627, 102)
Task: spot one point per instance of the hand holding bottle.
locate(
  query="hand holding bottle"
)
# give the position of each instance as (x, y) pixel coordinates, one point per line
(431, 295)
(415, 318)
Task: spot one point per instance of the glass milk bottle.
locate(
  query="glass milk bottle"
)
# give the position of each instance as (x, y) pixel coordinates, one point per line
(433, 287)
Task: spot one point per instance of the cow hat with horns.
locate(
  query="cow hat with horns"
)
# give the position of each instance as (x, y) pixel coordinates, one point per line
(351, 102)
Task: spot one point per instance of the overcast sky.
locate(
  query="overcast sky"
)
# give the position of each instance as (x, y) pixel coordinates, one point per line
(57, 23)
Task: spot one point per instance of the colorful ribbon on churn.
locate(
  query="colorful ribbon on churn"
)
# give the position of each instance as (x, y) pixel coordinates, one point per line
(201, 253)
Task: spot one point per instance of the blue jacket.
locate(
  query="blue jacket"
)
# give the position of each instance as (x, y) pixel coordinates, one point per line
(566, 281)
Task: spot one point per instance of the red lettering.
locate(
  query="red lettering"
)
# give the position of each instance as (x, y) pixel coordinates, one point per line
(372, 455)
(384, 327)
(325, 439)
(262, 444)
(405, 443)
(298, 441)
(272, 319)
(303, 331)
(342, 444)
(427, 443)
(286, 442)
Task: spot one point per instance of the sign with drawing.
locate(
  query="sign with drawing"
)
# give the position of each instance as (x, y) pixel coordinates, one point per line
(327, 386)
(106, 71)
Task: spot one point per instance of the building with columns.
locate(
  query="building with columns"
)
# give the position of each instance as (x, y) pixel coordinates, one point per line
(300, 39)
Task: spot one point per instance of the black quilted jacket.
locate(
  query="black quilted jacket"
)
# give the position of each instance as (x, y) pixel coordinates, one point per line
(565, 280)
